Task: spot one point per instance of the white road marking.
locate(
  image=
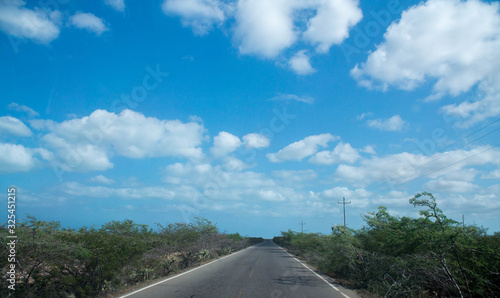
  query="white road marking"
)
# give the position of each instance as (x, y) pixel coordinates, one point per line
(321, 277)
(181, 274)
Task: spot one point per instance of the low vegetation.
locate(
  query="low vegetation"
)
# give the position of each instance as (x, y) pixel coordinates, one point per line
(428, 256)
(58, 262)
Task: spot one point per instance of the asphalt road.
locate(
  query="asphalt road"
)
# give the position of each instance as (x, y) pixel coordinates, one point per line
(263, 270)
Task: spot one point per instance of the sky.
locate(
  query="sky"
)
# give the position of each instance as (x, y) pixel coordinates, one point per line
(254, 114)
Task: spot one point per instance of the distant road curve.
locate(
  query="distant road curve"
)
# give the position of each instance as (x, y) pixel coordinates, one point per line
(263, 270)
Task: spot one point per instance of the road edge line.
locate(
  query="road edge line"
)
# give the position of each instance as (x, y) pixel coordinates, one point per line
(321, 277)
(181, 274)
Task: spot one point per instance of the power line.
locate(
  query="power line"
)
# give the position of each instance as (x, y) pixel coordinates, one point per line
(442, 168)
(415, 167)
(449, 152)
(487, 125)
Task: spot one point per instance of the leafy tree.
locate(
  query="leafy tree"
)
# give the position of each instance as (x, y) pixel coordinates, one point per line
(431, 255)
(91, 261)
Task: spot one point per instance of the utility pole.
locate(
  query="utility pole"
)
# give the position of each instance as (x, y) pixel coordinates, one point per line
(343, 203)
(463, 220)
(302, 224)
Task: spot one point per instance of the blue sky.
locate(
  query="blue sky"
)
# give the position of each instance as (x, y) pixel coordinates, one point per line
(255, 114)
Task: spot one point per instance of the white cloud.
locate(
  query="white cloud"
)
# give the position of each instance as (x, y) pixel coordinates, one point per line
(118, 5)
(39, 25)
(22, 108)
(343, 153)
(472, 112)
(395, 123)
(138, 193)
(398, 201)
(332, 22)
(303, 148)
(200, 15)
(452, 43)
(368, 149)
(233, 164)
(225, 143)
(295, 177)
(215, 183)
(210, 187)
(100, 179)
(340, 192)
(492, 175)
(15, 158)
(255, 140)
(270, 195)
(483, 204)
(89, 22)
(13, 126)
(364, 115)
(265, 28)
(360, 198)
(403, 167)
(300, 63)
(81, 156)
(442, 185)
(88, 143)
(290, 97)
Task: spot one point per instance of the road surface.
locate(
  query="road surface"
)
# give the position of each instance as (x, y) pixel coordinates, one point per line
(263, 270)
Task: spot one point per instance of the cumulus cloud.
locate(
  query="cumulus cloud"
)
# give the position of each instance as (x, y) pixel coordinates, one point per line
(137, 193)
(255, 140)
(265, 28)
(22, 108)
(403, 167)
(395, 200)
(368, 149)
(14, 126)
(332, 23)
(295, 178)
(39, 25)
(16, 158)
(303, 148)
(342, 153)
(88, 143)
(472, 112)
(118, 5)
(233, 164)
(77, 155)
(225, 143)
(300, 63)
(214, 181)
(492, 175)
(200, 15)
(453, 44)
(211, 187)
(443, 185)
(101, 179)
(89, 22)
(339, 192)
(395, 123)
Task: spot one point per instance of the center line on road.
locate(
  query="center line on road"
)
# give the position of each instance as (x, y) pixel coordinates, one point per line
(251, 274)
(239, 295)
